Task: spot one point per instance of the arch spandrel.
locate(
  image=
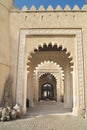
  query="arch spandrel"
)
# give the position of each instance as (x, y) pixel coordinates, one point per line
(56, 49)
(42, 45)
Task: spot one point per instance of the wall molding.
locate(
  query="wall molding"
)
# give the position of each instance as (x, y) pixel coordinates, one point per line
(22, 58)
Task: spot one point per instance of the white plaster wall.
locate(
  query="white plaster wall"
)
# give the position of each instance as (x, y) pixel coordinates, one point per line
(4, 47)
(67, 42)
(7, 3)
(60, 19)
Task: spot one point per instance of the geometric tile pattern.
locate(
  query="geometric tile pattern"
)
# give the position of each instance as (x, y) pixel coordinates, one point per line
(47, 122)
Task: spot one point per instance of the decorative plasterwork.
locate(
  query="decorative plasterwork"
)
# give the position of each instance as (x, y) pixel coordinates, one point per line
(22, 58)
(24, 8)
(58, 8)
(50, 67)
(57, 76)
(67, 8)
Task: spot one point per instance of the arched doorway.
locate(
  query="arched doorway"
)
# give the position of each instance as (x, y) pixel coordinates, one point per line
(47, 92)
(47, 87)
(54, 75)
(73, 83)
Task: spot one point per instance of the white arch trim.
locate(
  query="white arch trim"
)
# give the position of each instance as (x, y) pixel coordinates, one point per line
(79, 57)
(49, 66)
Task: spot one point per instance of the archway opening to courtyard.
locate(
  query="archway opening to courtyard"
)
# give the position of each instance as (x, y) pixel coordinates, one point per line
(47, 92)
(50, 75)
(65, 50)
(47, 87)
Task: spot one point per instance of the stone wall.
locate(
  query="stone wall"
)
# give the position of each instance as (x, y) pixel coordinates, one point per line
(7, 3)
(47, 19)
(4, 47)
(71, 19)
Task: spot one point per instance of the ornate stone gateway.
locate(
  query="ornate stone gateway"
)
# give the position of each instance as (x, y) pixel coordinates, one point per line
(78, 81)
(30, 38)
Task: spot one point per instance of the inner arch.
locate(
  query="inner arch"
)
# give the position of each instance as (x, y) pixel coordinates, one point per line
(50, 59)
(54, 71)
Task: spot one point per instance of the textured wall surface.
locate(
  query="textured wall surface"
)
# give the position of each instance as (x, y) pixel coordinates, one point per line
(4, 47)
(44, 26)
(47, 19)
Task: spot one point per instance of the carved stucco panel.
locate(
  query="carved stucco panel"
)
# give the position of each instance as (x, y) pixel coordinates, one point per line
(21, 58)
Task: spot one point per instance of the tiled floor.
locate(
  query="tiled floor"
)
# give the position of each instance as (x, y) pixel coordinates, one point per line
(47, 107)
(46, 122)
(40, 118)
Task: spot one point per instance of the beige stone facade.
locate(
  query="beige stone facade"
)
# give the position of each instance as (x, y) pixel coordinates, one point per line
(39, 47)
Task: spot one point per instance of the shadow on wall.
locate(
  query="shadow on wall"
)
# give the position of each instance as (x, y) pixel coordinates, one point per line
(7, 95)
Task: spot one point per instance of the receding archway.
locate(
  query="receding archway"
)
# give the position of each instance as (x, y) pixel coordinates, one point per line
(49, 72)
(78, 58)
(60, 56)
(47, 85)
(47, 92)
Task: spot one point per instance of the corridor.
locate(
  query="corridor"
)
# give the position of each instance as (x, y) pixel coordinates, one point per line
(46, 115)
(47, 107)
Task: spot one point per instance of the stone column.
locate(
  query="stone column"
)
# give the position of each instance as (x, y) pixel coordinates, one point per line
(71, 84)
(75, 94)
(67, 95)
(30, 88)
(25, 90)
(37, 85)
(58, 85)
